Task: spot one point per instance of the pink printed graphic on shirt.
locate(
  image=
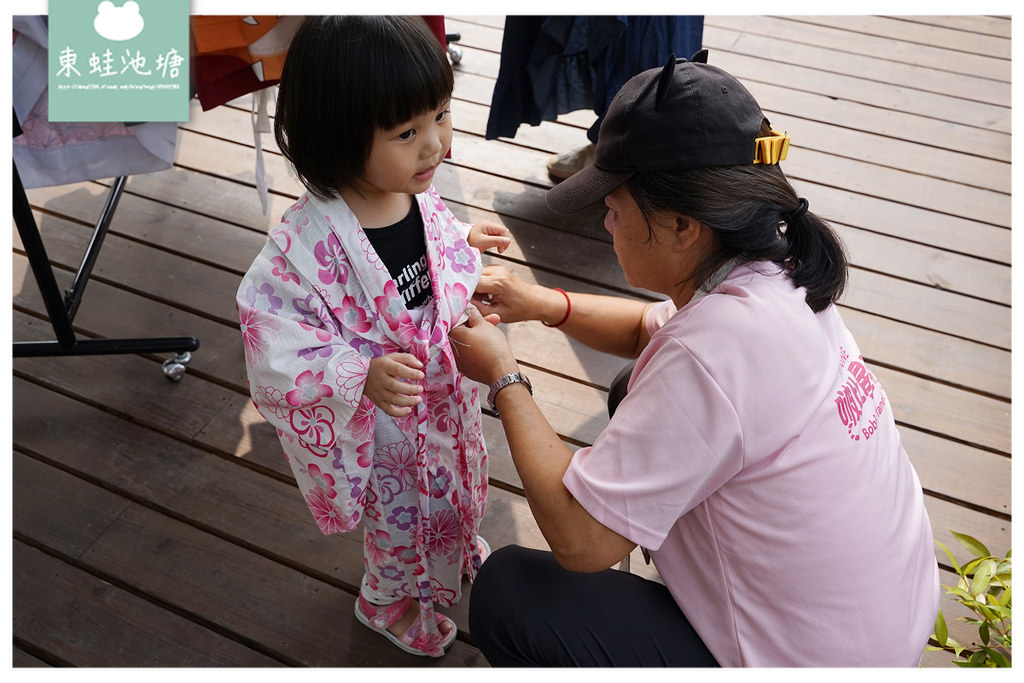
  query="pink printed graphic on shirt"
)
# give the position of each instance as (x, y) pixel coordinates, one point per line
(859, 399)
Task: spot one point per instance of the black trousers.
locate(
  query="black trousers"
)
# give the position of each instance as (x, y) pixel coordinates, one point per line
(526, 610)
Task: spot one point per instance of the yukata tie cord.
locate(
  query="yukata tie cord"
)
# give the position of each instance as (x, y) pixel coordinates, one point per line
(800, 210)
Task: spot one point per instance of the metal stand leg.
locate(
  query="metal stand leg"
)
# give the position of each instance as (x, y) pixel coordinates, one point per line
(62, 310)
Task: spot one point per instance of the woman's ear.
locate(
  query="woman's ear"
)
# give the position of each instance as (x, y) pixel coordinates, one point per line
(688, 232)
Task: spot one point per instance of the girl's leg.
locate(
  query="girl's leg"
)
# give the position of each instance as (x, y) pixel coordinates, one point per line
(391, 527)
(526, 610)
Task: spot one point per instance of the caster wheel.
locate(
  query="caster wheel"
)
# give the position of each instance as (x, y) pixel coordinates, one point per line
(455, 53)
(174, 368)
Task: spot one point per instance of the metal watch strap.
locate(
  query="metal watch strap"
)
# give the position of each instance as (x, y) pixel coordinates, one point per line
(504, 382)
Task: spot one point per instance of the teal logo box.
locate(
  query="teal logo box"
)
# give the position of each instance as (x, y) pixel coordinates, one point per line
(118, 60)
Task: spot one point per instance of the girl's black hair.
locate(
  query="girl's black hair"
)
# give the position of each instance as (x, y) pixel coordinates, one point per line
(343, 78)
(746, 207)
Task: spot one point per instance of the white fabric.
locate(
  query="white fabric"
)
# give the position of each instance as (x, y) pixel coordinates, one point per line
(57, 153)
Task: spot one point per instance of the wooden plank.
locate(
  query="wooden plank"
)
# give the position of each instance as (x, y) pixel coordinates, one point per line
(866, 66)
(492, 21)
(158, 274)
(923, 34)
(928, 307)
(557, 348)
(927, 227)
(943, 270)
(305, 620)
(171, 407)
(191, 234)
(216, 493)
(952, 139)
(926, 156)
(975, 419)
(955, 233)
(917, 262)
(21, 660)
(947, 517)
(842, 35)
(960, 472)
(999, 26)
(79, 618)
(124, 314)
(202, 488)
(947, 157)
(932, 354)
(848, 87)
(67, 529)
(980, 204)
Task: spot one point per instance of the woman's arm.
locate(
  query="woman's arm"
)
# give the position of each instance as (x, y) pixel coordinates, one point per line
(578, 541)
(611, 324)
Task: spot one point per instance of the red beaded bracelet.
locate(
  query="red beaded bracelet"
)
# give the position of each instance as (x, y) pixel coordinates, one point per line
(568, 309)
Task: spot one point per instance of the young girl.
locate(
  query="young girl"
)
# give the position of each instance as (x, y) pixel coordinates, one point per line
(345, 316)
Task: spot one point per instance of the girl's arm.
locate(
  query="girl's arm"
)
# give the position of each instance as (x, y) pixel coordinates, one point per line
(578, 541)
(611, 324)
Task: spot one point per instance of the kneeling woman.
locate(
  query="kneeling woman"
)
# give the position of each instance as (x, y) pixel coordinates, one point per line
(755, 455)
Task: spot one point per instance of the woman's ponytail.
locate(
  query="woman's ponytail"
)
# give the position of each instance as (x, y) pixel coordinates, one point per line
(815, 257)
(755, 215)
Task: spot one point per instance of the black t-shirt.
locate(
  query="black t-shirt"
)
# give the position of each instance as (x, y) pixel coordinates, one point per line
(403, 249)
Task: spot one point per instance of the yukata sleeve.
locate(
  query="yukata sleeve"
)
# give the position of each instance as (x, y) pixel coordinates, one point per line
(307, 364)
(304, 374)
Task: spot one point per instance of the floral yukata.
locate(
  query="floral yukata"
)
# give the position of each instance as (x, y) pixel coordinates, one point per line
(315, 307)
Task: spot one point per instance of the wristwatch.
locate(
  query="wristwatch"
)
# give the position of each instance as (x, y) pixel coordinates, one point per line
(504, 382)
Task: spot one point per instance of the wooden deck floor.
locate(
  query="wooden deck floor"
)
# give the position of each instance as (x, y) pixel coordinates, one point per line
(155, 523)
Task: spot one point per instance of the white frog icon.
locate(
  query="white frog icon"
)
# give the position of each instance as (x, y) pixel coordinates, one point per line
(118, 23)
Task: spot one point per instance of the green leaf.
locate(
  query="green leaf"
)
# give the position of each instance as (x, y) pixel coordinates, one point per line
(974, 545)
(977, 658)
(983, 577)
(1002, 613)
(952, 560)
(972, 566)
(941, 631)
(961, 592)
(983, 632)
(999, 658)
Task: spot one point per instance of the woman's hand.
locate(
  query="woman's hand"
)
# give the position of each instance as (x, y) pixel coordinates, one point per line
(486, 235)
(481, 349)
(393, 383)
(502, 293)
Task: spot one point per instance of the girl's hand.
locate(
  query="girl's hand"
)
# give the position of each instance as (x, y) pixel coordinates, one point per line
(485, 235)
(393, 383)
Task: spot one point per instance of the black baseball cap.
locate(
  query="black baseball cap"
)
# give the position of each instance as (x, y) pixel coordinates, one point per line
(686, 114)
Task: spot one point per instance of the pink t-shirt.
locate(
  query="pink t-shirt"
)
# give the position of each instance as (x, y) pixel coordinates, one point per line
(757, 458)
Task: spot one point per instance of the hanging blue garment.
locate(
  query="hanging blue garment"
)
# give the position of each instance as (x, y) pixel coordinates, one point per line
(554, 65)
